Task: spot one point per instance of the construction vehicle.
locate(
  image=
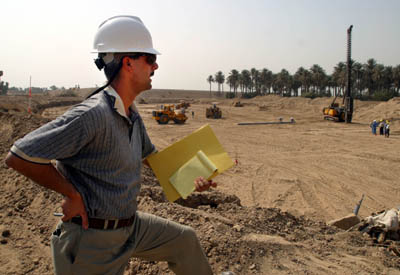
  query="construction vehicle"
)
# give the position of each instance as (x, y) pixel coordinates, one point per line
(167, 113)
(343, 113)
(213, 112)
(182, 104)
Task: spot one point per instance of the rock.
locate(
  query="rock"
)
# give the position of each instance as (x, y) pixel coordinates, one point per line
(345, 222)
(6, 233)
(237, 227)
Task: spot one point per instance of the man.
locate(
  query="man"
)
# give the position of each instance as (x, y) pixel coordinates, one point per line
(387, 129)
(381, 127)
(99, 146)
(373, 126)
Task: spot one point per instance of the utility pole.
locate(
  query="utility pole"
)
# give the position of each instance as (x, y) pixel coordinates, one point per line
(30, 94)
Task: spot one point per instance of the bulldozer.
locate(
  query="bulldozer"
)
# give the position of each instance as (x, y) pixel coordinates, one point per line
(237, 104)
(343, 113)
(167, 113)
(213, 112)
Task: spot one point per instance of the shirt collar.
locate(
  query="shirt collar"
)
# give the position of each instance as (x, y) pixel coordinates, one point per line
(118, 103)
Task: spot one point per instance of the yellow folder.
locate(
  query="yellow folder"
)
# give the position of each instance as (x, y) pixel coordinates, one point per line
(168, 161)
(183, 178)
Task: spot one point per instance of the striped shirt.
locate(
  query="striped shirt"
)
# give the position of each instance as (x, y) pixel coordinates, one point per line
(98, 149)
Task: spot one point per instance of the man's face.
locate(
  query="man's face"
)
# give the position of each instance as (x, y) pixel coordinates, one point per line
(144, 69)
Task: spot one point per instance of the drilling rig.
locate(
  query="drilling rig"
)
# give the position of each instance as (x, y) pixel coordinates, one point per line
(343, 113)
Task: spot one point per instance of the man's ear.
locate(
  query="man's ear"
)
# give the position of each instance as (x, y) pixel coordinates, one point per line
(126, 61)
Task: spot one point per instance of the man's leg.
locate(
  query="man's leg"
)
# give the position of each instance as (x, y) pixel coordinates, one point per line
(158, 239)
(92, 251)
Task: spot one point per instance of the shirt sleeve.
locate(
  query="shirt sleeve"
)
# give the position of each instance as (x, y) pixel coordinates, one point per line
(147, 147)
(58, 139)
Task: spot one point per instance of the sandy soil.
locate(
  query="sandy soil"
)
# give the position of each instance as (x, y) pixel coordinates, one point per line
(267, 215)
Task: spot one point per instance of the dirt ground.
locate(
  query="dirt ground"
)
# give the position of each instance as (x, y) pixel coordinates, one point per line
(268, 214)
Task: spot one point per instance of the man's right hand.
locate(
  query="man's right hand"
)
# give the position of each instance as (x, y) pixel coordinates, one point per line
(73, 206)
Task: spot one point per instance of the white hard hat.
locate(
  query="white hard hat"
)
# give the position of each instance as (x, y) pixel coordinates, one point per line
(123, 34)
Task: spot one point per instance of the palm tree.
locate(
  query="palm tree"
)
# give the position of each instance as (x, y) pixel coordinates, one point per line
(396, 78)
(304, 77)
(283, 82)
(210, 79)
(369, 69)
(377, 76)
(319, 78)
(220, 79)
(245, 80)
(331, 84)
(339, 77)
(233, 80)
(387, 78)
(357, 72)
(255, 79)
(266, 80)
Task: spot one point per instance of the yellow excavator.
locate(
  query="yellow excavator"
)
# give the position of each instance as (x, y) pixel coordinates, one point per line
(167, 113)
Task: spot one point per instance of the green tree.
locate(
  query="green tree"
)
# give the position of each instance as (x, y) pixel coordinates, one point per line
(304, 77)
(245, 81)
(396, 78)
(283, 82)
(357, 77)
(220, 79)
(255, 80)
(339, 78)
(368, 78)
(210, 79)
(319, 79)
(265, 80)
(3, 87)
(233, 80)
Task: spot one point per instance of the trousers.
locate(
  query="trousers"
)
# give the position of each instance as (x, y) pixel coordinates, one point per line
(152, 238)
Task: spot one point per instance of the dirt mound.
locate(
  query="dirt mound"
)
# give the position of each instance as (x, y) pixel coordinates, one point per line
(381, 110)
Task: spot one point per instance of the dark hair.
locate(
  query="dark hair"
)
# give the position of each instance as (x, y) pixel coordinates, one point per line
(111, 69)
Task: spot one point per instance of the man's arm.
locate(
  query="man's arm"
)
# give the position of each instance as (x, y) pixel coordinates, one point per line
(48, 176)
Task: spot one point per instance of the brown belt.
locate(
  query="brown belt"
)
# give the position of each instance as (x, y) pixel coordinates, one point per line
(105, 224)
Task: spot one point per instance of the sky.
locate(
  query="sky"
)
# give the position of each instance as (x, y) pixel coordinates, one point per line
(51, 41)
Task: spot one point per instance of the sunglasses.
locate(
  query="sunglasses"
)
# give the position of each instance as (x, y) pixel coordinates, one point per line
(150, 58)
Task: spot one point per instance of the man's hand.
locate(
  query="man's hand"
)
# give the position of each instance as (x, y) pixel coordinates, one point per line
(74, 206)
(202, 184)
(49, 177)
